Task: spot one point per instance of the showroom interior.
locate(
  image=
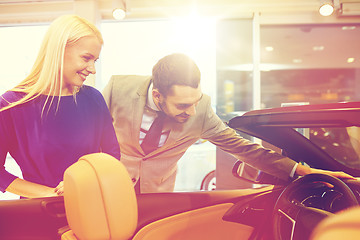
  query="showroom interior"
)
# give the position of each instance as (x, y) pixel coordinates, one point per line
(252, 54)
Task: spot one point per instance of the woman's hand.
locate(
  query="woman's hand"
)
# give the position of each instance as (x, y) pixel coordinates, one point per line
(59, 190)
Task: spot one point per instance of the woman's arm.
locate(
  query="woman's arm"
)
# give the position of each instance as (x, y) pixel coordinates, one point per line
(30, 190)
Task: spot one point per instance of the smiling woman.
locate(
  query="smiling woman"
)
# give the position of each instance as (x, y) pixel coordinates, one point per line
(50, 119)
(79, 62)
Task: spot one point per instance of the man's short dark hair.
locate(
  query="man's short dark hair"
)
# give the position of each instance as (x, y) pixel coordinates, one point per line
(175, 69)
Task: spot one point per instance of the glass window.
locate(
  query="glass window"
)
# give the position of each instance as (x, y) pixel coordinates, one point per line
(19, 46)
(234, 66)
(342, 144)
(309, 63)
(134, 47)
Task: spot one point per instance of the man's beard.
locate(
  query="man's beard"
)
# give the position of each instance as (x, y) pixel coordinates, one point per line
(181, 118)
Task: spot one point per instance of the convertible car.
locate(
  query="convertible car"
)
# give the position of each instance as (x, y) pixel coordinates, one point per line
(100, 203)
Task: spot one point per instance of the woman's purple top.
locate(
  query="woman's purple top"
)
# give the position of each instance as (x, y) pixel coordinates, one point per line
(45, 146)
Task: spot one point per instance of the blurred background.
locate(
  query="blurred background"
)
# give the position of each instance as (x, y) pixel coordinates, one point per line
(252, 54)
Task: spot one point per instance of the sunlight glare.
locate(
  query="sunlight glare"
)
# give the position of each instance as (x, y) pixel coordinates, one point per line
(193, 34)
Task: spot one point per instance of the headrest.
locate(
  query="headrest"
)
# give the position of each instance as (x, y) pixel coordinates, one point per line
(344, 225)
(100, 200)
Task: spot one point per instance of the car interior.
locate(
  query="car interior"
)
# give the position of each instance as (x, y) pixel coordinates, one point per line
(100, 197)
(100, 202)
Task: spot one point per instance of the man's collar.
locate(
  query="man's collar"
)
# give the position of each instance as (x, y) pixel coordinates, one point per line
(150, 101)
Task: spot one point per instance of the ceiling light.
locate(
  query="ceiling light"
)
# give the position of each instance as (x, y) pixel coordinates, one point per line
(119, 9)
(348, 28)
(351, 60)
(318, 48)
(119, 13)
(269, 48)
(326, 8)
(297, 60)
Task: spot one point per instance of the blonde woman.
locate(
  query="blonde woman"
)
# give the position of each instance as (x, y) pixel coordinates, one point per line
(51, 119)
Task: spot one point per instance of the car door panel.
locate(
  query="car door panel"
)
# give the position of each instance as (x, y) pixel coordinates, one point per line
(202, 223)
(156, 206)
(26, 219)
(43, 218)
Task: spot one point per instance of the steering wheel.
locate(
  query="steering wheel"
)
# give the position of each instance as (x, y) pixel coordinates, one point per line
(303, 204)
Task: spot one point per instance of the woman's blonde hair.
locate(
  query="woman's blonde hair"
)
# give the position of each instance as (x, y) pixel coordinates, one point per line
(46, 76)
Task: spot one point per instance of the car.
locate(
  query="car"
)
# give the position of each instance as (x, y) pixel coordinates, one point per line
(196, 168)
(98, 204)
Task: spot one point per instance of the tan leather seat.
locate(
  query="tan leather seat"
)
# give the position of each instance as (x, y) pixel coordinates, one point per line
(99, 197)
(345, 225)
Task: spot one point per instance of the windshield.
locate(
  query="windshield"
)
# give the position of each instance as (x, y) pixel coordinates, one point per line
(343, 144)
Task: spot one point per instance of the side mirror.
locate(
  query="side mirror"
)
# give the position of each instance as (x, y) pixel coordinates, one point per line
(248, 173)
